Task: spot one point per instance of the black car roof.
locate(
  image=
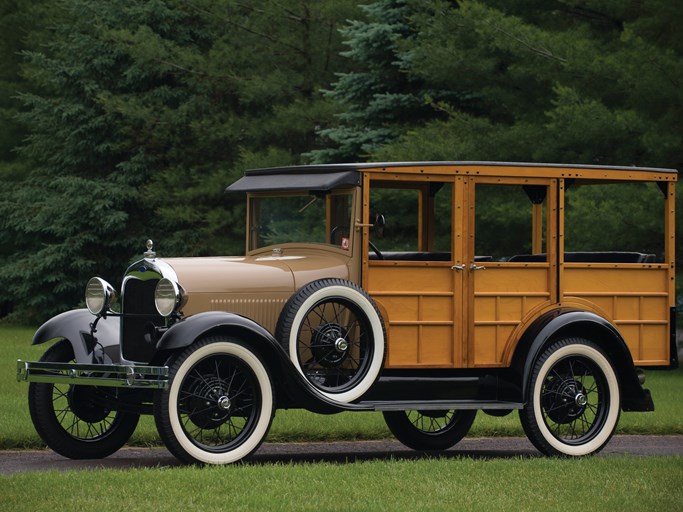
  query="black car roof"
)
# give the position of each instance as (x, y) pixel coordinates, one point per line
(326, 177)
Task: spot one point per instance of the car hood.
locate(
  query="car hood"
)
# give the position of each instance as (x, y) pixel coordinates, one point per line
(253, 286)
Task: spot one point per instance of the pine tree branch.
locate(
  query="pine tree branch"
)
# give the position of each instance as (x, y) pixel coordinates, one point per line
(244, 28)
(543, 52)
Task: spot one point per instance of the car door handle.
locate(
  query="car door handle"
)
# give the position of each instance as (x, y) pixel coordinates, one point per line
(473, 267)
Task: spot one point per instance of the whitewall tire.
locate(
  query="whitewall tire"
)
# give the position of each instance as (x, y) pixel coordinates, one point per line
(334, 335)
(219, 405)
(574, 399)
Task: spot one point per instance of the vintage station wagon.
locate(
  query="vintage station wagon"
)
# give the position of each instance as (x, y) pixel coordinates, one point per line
(427, 291)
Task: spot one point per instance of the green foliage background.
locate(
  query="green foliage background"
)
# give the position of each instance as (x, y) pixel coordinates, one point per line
(121, 121)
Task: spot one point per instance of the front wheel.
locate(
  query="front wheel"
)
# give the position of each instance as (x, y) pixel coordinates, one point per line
(219, 404)
(429, 430)
(73, 420)
(574, 401)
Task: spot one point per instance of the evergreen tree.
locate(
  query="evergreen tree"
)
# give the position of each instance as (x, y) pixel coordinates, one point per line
(139, 113)
(10, 42)
(377, 99)
(566, 80)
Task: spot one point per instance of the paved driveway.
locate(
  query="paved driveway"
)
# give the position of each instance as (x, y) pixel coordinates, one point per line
(342, 452)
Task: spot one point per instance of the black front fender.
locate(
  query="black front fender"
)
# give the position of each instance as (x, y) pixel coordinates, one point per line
(293, 389)
(185, 332)
(75, 326)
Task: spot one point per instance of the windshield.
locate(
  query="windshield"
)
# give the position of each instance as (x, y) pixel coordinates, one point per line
(300, 218)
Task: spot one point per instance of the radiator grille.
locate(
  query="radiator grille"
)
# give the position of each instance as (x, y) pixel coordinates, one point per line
(138, 299)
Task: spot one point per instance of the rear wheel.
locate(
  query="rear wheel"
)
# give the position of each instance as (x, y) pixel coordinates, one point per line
(219, 404)
(574, 399)
(429, 430)
(72, 419)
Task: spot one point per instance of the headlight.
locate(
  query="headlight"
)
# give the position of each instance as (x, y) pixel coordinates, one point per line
(99, 296)
(168, 297)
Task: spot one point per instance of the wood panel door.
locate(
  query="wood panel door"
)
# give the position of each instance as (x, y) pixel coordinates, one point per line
(511, 265)
(409, 272)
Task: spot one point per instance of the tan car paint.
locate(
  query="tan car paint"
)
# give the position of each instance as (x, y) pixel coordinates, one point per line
(255, 286)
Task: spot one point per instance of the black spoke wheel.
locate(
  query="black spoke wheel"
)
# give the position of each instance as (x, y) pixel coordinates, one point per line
(334, 335)
(72, 420)
(219, 404)
(574, 401)
(429, 430)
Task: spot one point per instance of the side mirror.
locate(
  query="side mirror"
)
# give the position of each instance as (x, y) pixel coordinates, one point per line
(379, 224)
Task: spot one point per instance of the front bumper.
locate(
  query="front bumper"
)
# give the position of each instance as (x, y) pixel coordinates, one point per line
(124, 376)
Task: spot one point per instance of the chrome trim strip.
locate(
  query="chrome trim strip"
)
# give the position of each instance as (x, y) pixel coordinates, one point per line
(126, 376)
(440, 405)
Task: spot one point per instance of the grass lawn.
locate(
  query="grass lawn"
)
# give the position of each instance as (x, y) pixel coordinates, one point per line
(596, 484)
(16, 429)
(624, 483)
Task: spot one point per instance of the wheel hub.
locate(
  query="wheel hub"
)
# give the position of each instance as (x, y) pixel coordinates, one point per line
(83, 403)
(207, 405)
(341, 345)
(564, 400)
(224, 403)
(329, 345)
(580, 400)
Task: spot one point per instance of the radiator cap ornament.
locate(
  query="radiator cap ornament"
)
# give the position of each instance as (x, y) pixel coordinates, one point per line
(150, 254)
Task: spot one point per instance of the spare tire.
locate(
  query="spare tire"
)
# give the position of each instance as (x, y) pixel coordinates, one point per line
(334, 335)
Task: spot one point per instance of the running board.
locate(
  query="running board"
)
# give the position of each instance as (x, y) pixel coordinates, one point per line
(439, 405)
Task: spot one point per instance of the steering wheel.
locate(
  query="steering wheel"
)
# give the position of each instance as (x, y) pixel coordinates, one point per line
(375, 250)
(336, 233)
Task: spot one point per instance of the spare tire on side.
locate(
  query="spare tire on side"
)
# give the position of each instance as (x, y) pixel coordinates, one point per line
(334, 335)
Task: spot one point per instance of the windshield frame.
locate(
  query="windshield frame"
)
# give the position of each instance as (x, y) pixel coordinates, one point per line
(336, 210)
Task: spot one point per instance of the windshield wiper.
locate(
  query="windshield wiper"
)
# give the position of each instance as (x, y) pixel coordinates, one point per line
(315, 198)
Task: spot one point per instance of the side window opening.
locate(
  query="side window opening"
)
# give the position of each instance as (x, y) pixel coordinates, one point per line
(413, 220)
(510, 222)
(614, 222)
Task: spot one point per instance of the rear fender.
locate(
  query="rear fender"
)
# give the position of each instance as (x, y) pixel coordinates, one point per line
(75, 326)
(562, 323)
